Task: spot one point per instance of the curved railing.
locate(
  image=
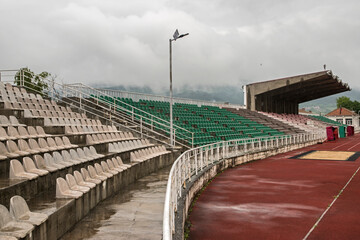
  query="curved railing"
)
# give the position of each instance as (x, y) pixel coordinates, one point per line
(193, 161)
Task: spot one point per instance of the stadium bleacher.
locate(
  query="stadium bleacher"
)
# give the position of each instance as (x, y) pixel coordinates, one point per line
(63, 162)
(326, 120)
(208, 123)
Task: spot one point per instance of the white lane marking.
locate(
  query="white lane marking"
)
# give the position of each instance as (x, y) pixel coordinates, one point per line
(340, 145)
(354, 146)
(332, 203)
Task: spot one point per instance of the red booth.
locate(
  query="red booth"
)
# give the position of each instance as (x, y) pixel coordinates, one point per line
(330, 133)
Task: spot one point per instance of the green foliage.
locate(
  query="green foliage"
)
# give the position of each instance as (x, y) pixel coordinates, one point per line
(32, 82)
(347, 103)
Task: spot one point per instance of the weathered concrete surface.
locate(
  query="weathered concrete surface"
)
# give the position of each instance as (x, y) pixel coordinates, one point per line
(284, 95)
(134, 213)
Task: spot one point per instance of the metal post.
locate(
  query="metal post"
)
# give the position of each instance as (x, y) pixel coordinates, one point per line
(22, 78)
(174, 136)
(196, 163)
(53, 88)
(141, 127)
(171, 96)
(192, 140)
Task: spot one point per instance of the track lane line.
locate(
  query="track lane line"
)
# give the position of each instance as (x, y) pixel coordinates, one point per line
(340, 145)
(331, 204)
(354, 146)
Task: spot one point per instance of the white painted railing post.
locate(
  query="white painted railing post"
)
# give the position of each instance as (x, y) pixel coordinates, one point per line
(212, 153)
(207, 156)
(196, 163)
(141, 127)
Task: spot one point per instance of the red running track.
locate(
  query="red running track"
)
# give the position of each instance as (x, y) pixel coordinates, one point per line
(282, 198)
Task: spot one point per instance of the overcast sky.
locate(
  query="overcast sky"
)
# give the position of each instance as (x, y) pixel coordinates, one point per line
(231, 42)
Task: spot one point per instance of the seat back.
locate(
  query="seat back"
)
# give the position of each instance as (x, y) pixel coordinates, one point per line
(40, 131)
(70, 180)
(78, 177)
(93, 150)
(23, 146)
(12, 131)
(43, 143)
(3, 149)
(18, 207)
(33, 144)
(59, 141)
(31, 130)
(92, 172)
(98, 168)
(61, 187)
(14, 121)
(12, 146)
(3, 133)
(5, 216)
(66, 155)
(51, 142)
(40, 162)
(81, 153)
(58, 158)
(22, 131)
(16, 168)
(73, 154)
(28, 164)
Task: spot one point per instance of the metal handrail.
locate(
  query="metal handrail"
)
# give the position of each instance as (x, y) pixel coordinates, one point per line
(121, 115)
(154, 97)
(55, 91)
(193, 161)
(88, 91)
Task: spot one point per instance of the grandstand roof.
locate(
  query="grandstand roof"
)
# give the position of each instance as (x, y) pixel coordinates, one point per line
(341, 112)
(290, 91)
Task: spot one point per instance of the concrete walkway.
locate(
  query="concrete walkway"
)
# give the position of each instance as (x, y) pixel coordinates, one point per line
(134, 213)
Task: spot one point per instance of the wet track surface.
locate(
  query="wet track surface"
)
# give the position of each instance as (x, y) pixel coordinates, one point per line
(282, 198)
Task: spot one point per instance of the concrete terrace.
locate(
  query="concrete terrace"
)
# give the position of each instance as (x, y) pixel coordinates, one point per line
(134, 213)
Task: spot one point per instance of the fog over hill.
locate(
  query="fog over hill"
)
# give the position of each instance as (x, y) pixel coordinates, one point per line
(226, 93)
(234, 95)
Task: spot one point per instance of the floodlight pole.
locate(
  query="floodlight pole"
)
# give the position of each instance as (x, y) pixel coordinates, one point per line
(176, 36)
(171, 96)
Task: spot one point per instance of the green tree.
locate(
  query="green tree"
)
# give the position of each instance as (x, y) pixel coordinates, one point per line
(32, 82)
(356, 106)
(347, 103)
(344, 102)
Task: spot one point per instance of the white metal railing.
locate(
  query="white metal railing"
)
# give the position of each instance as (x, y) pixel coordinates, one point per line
(83, 91)
(59, 92)
(193, 161)
(153, 97)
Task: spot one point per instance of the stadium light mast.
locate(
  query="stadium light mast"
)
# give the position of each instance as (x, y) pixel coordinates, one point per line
(175, 37)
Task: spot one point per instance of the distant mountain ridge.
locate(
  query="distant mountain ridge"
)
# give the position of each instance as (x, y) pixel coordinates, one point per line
(210, 93)
(327, 104)
(234, 95)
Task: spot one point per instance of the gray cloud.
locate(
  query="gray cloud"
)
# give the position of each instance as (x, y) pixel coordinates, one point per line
(231, 42)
